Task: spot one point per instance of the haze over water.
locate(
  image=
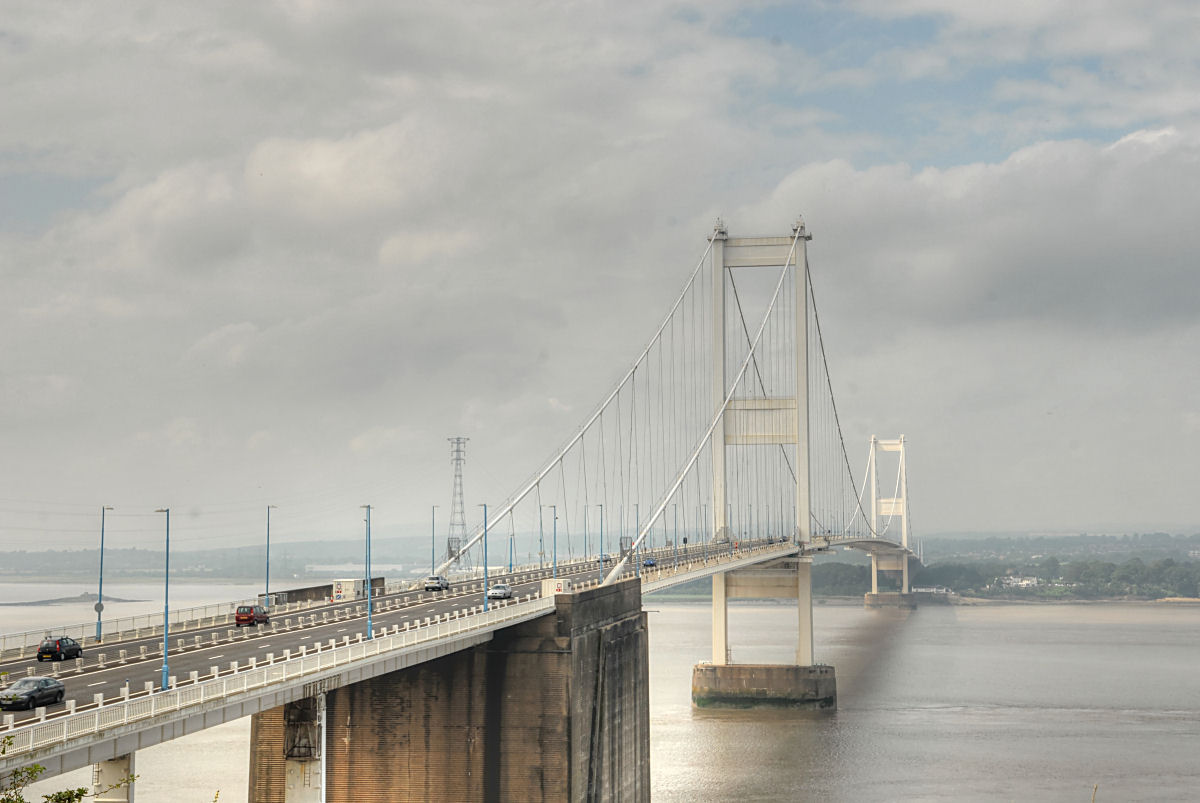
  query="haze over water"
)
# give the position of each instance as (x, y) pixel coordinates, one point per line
(1032, 702)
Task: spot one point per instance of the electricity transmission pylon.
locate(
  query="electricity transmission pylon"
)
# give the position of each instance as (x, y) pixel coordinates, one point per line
(458, 516)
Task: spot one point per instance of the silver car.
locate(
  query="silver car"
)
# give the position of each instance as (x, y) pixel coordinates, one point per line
(500, 591)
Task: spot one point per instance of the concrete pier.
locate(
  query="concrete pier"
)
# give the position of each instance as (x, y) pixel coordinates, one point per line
(111, 773)
(552, 709)
(765, 685)
(889, 599)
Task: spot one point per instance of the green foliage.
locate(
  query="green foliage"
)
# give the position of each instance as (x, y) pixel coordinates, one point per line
(840, 579)
(13, 789)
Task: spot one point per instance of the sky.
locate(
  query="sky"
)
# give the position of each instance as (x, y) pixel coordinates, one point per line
(277, 253)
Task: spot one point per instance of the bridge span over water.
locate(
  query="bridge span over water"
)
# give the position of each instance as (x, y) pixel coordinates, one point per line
(727, 429)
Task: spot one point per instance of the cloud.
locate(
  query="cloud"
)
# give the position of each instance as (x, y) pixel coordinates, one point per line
(319, 239)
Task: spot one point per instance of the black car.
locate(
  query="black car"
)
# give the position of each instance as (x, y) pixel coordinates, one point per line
(56, 648)
(31, 692)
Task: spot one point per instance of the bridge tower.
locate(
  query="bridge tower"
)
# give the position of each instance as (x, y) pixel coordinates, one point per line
(779, 420)
(889, 508)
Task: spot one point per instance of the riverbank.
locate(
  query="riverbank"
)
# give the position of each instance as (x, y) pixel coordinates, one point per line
(956, 599)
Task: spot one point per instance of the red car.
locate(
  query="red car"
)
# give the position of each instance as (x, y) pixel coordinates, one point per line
(250, 615)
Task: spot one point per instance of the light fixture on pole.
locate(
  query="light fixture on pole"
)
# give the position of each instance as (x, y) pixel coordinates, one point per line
(267, 584)
(600, 552)
(541, 540)
(166, 598)
(675, 538)
(554, 512)
(485, 568)
(637, 531)
(100, 589)
(433, 540)
(370, 596)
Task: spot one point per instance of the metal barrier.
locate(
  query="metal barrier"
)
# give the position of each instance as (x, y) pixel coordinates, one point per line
(73, 724)
(40, 734)
(182, 618)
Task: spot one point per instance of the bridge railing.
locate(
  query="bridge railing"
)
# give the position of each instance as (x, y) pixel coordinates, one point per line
(108, 714)
(16, 644)
(104, 714)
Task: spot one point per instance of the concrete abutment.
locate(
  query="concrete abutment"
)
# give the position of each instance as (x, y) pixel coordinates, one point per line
(556, 708)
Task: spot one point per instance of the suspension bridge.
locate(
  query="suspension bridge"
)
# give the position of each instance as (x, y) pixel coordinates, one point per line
(719, 454)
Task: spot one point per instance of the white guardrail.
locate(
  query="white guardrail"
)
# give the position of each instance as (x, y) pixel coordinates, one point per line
(183, 619)
(212, 614)
(85, 633)
(119, 711)
(61, 728)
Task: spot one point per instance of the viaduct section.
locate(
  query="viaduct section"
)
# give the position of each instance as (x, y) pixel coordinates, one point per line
(555, 708)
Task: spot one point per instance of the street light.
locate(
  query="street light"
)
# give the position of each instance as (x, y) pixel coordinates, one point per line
(433, 540)
(166, 596)
(541, 540)
(675, 507)
(100, 590)
(554, 512)
(485, 577)
(637, 529)
(601, 551)
(370, 596)
(267, 586)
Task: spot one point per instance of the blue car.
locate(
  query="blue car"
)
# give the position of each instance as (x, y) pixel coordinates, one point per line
(649, 562)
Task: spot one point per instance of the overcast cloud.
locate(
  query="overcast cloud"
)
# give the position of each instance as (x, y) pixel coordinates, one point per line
(279, 252)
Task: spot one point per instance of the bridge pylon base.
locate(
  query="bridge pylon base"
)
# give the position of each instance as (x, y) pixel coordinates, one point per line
(764, 686)
(889, 599)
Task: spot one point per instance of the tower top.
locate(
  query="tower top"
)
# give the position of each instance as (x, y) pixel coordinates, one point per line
(799, 230)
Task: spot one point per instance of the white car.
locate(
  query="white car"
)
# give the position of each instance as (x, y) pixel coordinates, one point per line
(436, 582)
(500, 591)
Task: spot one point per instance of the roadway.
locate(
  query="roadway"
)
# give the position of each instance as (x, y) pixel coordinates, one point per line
(212, 651)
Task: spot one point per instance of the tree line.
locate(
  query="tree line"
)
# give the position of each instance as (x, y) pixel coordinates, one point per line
(1077, 579)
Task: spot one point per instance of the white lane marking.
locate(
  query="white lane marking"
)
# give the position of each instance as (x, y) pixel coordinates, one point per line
(215, 657)
(260, 646)
(342, 629)
(101, 683)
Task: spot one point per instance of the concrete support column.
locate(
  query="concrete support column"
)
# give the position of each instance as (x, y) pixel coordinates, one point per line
(804, 643)
(111, 772)
(904, 574)
(304, 750)
(874, 574)
(720, 620)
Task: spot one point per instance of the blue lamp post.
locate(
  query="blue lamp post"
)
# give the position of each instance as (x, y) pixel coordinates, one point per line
(541, 539)
(675, 538)
(601, 551)
(637, 531)
(100, 589)
(485, 573)
(433, 540)
(267, 584)
(166, 598)
(554, 512)
(370, 596)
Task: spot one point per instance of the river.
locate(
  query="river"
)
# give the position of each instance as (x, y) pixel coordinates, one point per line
(988, 703)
